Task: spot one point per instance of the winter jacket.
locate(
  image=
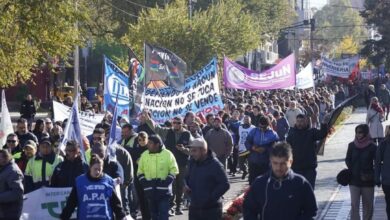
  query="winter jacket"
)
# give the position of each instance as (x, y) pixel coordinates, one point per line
(361, 162)
(291, 115)
(23, 138)
(233, 126)
(41, 136)
(113, 169)
(220, 142)
(65, 173)
(382, 163)
(282, 128)
(156, 172)
(11, 191)
(174, 138)
(95, 198)
(124, 159)
(260, 139)
(289, 198)
(27, 109)
(374, 121)
(208, 182)
(304, 146)
(384, 96)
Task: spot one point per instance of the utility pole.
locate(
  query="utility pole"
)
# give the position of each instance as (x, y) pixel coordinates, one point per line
(312, 29)
(76, 68)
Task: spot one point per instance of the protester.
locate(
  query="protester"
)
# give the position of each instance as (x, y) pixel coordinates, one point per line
(256, 115)
(282, 126)
(259, 143)
(65, 173)
(157, 169)
(245, 128)
(382, 168)
(384, 99)
(194, 129)
(12, 145)
(94, 195)
(360, 161)
(375, 116)
(28, 111)
(22, 132)
(85, 104)
(39, 130)
(11, 187)
(219, 141)
(233, 125)
(48, 125)
(40, 168)
(175, 139)
(369, 93)
(209, 124)
(303, 143)
(292, 113)
(205, 183)
(280, 194)
(29, 150)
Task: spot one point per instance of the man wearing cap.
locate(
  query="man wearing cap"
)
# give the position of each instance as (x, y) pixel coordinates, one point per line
(40, 168)
(219, 141)
(175, 139)
(206, 182)
(29, 150)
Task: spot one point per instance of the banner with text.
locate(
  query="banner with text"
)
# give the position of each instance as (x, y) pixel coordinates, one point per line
(305, 78)
(87, 120)
(201, 94)
(116, 82)
(339, 68)
(280, 76)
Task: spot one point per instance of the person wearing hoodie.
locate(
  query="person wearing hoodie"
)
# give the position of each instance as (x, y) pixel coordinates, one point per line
(360, 161)
(281, 193)
(40, 168)
(382, 168)
(205, 183)
(259, 143)
(73, 166)
(157, 169)
(245, 128)
(303, 141)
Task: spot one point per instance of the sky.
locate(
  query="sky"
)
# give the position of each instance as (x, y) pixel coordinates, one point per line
(317, 3)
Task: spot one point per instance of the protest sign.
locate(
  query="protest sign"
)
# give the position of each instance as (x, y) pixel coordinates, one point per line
(305, 78)
(339, 68)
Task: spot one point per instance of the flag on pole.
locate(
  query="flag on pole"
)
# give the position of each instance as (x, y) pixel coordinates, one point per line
(163, 64)
(5, 123)
(72, 129)
(137, 85)
(112, 139)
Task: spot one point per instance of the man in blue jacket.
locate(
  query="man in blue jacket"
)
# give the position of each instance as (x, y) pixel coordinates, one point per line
(205, 183)
(259, 142)
(280, 194)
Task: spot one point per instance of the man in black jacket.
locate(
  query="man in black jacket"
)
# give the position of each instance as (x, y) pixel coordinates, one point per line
(27, 110)
(206, 183)
(175, 139)
(65, 173)
(280, 194)
(303, 141)
(23, 134)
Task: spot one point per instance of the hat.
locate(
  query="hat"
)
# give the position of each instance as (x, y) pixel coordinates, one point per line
(30, 143)
(344, 177)
(45, 141)
(197, 142)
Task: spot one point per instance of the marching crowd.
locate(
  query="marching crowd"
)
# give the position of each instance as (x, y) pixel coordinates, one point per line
(269, 137)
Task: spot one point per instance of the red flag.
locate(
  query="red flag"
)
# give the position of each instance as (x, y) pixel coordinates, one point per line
(354, 72)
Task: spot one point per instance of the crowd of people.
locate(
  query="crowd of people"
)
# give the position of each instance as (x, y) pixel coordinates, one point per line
(269, 137)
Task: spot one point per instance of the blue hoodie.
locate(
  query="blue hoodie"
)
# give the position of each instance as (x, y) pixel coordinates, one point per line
(264, 139)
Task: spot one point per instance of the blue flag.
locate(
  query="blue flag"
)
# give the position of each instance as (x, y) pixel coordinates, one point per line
(116, 84)
(112, 139)
(72, 129)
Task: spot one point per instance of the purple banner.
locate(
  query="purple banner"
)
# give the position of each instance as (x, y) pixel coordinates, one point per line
(278, 77)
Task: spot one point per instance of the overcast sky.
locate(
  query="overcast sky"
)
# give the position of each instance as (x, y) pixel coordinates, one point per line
(317, 3)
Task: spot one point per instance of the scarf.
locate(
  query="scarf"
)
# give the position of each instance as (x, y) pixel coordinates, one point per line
(377, 108)
(364, 142)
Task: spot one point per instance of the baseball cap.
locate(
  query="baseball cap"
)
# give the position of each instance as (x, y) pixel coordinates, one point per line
(197, 142)
(30, 143)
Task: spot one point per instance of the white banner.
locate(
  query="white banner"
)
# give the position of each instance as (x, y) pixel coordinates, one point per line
(6, 127)
(45, 203)
(305, 78)
(339, 68)
(87, 120)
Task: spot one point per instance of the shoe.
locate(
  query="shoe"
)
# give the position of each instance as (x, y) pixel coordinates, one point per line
(244, 175)
(179, 212)
(171, 213)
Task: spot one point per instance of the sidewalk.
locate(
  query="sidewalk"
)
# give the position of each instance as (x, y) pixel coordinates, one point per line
(334, 200)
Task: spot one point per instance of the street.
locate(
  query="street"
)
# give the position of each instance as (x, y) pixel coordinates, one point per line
(333, 200)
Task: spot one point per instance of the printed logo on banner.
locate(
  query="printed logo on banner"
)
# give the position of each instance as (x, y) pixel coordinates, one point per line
(118, 87)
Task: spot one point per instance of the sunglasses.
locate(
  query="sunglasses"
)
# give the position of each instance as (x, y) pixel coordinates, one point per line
(11, 141)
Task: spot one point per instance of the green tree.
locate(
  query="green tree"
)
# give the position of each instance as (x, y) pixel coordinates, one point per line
(346, 46)
(222, 29)
(377, 14)
(333, 24)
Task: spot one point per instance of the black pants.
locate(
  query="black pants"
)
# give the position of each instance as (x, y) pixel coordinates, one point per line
(233, 160)
(256, 170)
(177, 188)
(143, 203)
(205, 214)
(310, 175)
(386, 190)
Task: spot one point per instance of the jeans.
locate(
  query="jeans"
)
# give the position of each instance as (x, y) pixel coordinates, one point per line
(143, 203)
(367, 195)
(256, 170)
(159, 208)
(177, 188)
(386, 190)
(233, 160)
(132, 197)
(243, 163)
(125, 198)
(205, 214)
(222, 159)
(310, 175)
